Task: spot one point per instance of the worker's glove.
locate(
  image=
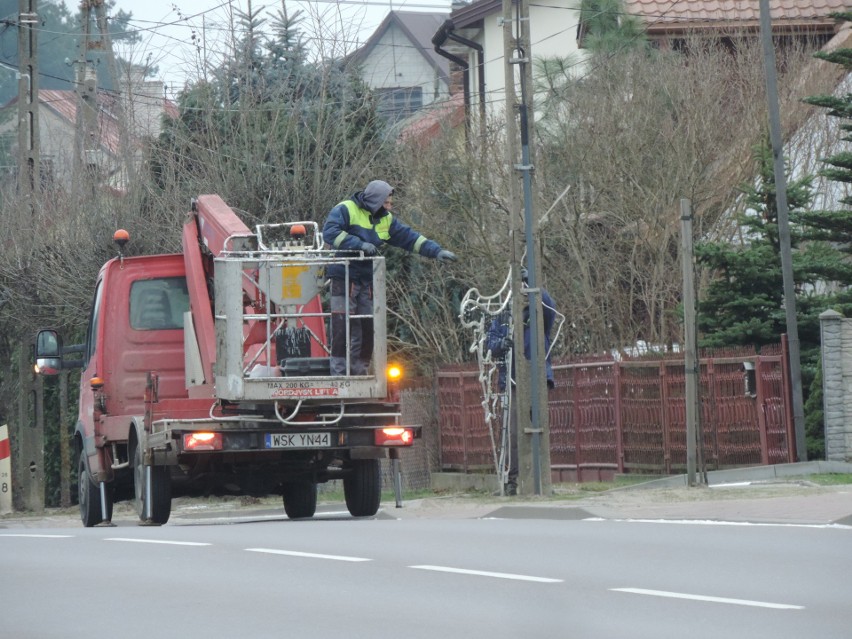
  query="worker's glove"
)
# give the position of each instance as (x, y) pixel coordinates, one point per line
(506, 344)
(446, 256)
(369, 249)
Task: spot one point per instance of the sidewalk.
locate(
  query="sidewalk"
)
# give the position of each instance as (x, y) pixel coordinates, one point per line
(764, 494)
(761, 495)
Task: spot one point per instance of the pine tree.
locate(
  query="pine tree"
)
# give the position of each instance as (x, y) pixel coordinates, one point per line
(743, 305)
(834, 227)
(59, 34)
(272, 131)
(610, 29)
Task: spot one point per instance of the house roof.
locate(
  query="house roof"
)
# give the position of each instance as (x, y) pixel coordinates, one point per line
(427, 124)
(469, 15)
(676, 15)
(64, 104)
(682, 15)
(419, 29)
(732, 10)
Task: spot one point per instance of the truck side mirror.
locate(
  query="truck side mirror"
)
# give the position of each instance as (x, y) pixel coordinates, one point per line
(48, 353)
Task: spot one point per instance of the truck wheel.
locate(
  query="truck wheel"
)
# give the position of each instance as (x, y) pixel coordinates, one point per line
(300, 499)
(161, 490)
(362, 487)
(89, 496)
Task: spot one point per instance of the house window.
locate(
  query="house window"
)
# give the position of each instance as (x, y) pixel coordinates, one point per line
(399, 102)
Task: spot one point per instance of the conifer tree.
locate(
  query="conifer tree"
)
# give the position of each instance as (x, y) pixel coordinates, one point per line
(833, 227)
(743, 305)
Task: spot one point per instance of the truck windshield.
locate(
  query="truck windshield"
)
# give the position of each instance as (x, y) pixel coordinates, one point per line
(158, 304)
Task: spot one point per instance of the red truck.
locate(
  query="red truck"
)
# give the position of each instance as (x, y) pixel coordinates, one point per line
(212, 366)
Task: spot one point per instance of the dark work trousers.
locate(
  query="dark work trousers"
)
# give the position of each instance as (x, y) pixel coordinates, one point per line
(360, 301)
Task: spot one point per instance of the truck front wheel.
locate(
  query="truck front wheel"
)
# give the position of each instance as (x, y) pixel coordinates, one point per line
(160, 492)
(89, 496)
(300, 499)
(362, 487)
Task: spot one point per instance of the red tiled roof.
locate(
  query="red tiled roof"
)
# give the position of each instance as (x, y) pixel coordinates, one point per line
(429, 122)
(64, 103)
(733, 11)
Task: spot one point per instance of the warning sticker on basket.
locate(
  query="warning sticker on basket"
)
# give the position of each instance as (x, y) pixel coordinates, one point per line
(305, 392)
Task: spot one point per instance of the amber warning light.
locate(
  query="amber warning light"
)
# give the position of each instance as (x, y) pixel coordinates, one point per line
(394, 436)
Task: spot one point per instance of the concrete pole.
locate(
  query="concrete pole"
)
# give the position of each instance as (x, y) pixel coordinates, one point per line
(521, 395)
(692, 364)
(783, 230)
(531, 386)
(29, 173)
(64, 443)
(28, 472)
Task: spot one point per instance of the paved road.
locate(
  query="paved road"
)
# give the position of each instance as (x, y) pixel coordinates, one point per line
(456, 567)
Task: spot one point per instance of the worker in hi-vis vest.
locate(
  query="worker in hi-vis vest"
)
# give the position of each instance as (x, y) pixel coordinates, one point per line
(362, 225)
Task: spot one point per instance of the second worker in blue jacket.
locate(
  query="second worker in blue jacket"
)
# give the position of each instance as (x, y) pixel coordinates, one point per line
(362, 224)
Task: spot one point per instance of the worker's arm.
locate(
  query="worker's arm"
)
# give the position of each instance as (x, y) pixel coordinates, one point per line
(405, 237)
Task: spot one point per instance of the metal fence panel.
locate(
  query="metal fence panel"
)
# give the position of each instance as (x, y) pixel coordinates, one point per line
(630, 416)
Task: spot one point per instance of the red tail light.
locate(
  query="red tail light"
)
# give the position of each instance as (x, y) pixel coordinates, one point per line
(395, 436)
(202, 441)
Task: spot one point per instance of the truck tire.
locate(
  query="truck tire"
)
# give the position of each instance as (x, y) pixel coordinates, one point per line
(89, 496)
(161, 490)
(300, 499)
(362, 487)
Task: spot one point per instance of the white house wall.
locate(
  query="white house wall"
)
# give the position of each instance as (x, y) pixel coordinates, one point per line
(57, 146)
(395, 62)
(553, 33)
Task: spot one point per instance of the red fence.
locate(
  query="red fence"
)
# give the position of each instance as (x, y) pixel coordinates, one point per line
(630, 416)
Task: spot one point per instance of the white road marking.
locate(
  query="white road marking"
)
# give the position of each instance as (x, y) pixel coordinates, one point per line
(158, 541)
(714, 522)
(726, 600)
(309, 555)
(36, 536)
(485, 573)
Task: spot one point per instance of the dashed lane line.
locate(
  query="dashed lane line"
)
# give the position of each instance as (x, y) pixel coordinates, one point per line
(158, 541)
(309, 555)
(724, 600)
(36, 536)
(485, 573)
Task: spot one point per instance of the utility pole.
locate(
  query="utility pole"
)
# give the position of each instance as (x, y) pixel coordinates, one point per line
(86, 139)
(783, 230)
(29, 179)
(28, 469)
(530, 397)
(692, 365)
(88, 142)
(28, 437)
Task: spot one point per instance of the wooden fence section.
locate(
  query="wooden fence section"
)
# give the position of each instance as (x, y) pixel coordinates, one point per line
(629, 416)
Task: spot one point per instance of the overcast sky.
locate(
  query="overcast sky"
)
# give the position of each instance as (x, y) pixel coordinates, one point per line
(167, 28)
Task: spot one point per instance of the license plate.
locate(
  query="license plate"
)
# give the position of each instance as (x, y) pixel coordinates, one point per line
(298, 440)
